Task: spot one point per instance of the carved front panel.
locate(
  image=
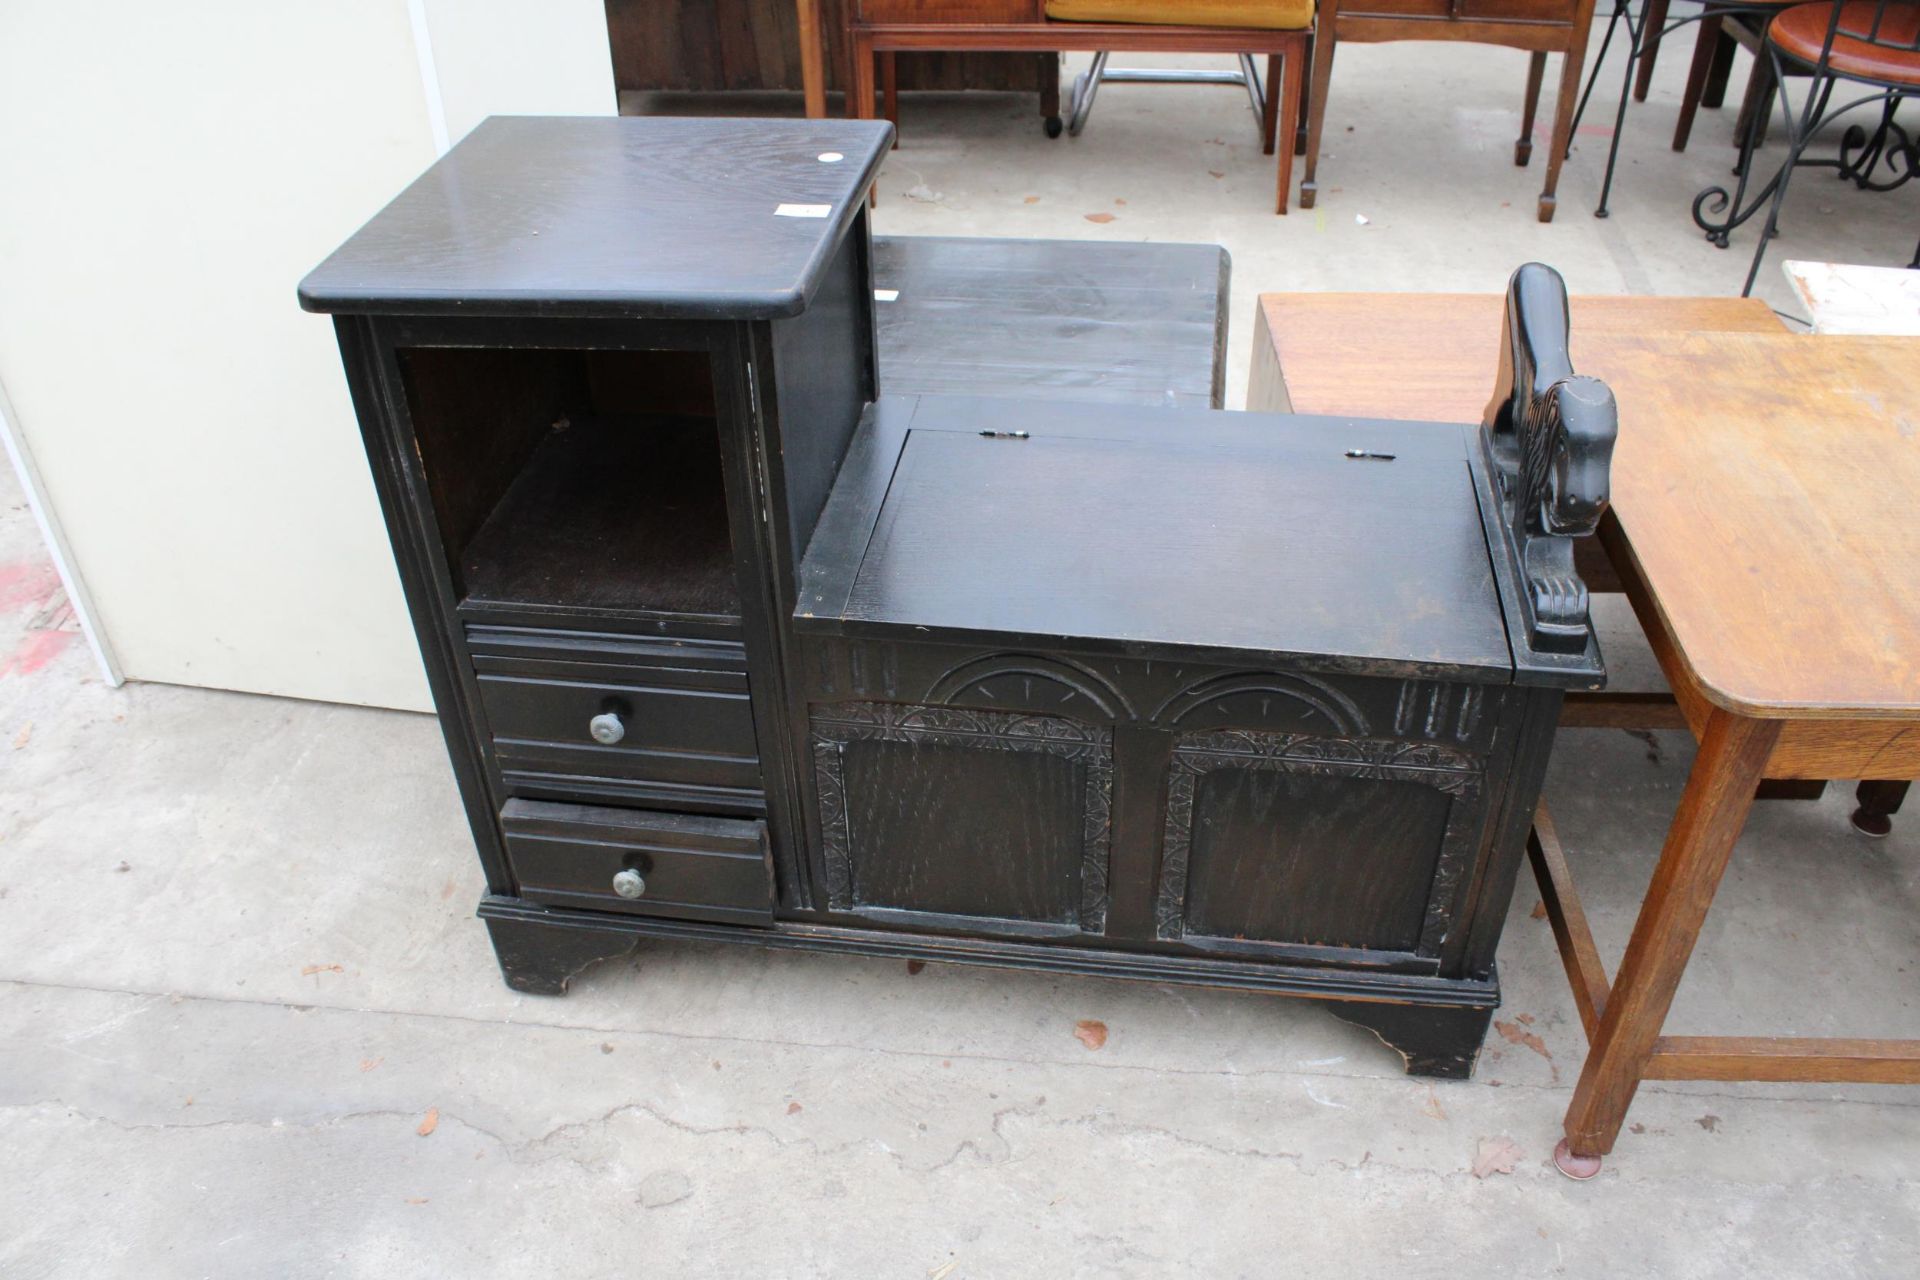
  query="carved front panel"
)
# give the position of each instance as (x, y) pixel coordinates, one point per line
(962, 813)
(1316, 841)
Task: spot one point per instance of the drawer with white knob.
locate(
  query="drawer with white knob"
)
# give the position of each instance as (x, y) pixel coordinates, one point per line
(637, 860)
(581, 716)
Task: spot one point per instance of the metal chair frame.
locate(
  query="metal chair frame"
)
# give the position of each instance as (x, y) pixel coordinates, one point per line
(1638, 46)
(1088, 82)
(1860, 155)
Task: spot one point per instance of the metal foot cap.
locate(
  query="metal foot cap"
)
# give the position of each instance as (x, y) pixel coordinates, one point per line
(1579, 1168)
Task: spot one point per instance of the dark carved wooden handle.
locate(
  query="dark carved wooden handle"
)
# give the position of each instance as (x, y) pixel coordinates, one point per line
(1552, 433)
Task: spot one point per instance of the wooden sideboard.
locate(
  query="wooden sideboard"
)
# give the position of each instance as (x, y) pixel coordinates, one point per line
(1538, 26)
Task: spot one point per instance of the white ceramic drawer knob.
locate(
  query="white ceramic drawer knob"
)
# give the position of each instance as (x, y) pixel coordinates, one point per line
(628, 883)
(607, 728)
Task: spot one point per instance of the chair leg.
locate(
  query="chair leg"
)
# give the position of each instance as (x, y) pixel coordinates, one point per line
(1286, 104)
(1652, 19)
(1802, 134)
(1325, 41)
(860, 94)
(1563, 116)
(1715, 92)
(1085, 86)
(1878, 801)
(1270, 113)
(1303, 108)
(1756, 109)
(1706, 48)
(890, 91)
(1050, 95)
(1530, 110)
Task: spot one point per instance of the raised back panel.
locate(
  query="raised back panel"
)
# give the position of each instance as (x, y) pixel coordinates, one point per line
(823, 370)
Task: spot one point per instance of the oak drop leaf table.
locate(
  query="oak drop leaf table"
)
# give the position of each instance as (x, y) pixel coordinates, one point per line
(1762, 528)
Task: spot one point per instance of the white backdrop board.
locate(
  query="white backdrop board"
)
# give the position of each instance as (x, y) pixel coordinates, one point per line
(167, 175)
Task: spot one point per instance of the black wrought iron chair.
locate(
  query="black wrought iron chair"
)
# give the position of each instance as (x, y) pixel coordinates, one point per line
(1873, 45)
(1706, 79)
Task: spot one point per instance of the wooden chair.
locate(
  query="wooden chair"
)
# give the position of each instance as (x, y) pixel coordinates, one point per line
(1723, 27)
(1538, 26)
(1280, 29)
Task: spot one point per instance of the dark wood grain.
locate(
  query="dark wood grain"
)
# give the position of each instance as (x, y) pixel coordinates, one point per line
(1329, 861)
(1226, 536)
(611, 514)
(679, 47)
(1151, 692)
(1054, 319)
(695, 868)
(591, 216)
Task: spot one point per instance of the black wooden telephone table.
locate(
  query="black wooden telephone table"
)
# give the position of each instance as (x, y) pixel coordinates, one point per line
(727, 645)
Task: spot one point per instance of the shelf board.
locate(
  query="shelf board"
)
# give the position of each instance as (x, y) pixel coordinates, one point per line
(620, 514)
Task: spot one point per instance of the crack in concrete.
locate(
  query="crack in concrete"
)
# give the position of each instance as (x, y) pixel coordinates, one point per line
(1647, 1088)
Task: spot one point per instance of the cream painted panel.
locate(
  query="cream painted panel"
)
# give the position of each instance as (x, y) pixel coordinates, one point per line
(171, 171)
(521, 57)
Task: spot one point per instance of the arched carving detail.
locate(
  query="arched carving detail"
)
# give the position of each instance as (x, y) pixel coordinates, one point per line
(1095, 688)
(1342, 715)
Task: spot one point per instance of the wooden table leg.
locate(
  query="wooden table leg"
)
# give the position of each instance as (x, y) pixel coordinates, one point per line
(1713, 808)
(813, 70)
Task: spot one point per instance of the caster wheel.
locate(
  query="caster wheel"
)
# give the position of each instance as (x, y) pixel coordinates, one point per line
(1877, 826)
(1055, 126)
(1579, 1168)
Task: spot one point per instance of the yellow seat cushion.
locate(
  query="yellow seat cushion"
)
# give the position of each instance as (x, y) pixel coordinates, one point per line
(1270, 15)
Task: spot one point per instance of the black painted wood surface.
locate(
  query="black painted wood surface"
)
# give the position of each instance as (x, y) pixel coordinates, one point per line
(1154, 693)
(1084, 320)
(595, 216)
(691, 868)
(1162, 530)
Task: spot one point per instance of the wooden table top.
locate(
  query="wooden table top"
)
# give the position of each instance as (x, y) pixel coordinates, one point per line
(1765, 481)
(1434, 355)
(1766, 485)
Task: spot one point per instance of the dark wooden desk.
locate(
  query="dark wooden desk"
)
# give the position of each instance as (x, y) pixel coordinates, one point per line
(1087, 320)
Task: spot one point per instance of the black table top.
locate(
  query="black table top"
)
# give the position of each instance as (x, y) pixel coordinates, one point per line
(1162, 532)
(607, 217)
(1090, 320)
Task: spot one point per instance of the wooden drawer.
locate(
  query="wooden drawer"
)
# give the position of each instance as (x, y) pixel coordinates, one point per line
(952, 11)
(579, 715)
(635, 860)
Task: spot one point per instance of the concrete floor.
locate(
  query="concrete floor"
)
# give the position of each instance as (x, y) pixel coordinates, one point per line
(248, 1025)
